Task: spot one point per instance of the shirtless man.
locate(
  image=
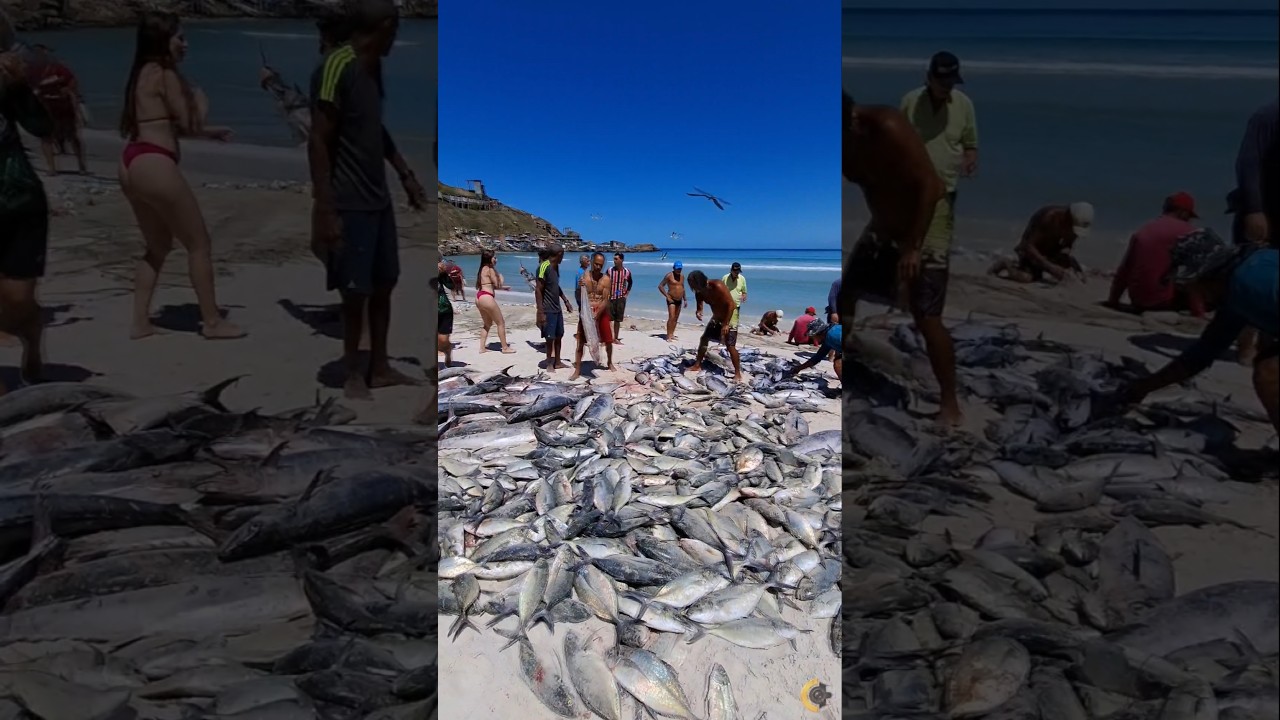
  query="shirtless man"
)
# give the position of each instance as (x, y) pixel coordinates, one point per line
(768, 324)
(1047, 244)
(885, 156)
(724, 319)
(598, 288)
(672, 288)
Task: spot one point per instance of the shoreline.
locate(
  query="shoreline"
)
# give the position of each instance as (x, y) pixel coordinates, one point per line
(92, 14)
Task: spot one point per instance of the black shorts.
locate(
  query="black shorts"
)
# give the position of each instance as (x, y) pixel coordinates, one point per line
(370, 255)
(712, 334)
(873, 267)
(618, 308)
(552, 326)
(445, 323)
(24, 242)
(1037, 273)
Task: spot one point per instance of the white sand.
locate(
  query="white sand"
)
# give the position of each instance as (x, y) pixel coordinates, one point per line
(483, 683)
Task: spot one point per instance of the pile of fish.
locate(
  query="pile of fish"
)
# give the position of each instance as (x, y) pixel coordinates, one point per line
(1075, 613)
(655, 513)
(169, 558)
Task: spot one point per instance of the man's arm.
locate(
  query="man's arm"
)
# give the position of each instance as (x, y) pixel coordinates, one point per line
(538, 285)
(1121, 281)
(630, 282)
(1258, 136)
(323, 137)
(664, 284)
(1031, 246)
(1221, 332)
(969, 134)
(393, 156)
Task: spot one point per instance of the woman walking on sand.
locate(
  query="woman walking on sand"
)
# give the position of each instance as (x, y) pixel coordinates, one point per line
(488, 283)
(159, 107)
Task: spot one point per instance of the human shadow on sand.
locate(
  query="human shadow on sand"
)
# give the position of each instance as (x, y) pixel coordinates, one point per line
(184, 318)
(53, 372)
(323, 319)
(333, 374)
(1170, 346)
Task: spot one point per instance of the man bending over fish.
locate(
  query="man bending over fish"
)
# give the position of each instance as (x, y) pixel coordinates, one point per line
(904, 254)
(1242, 283)
(724, 319)
(832, 339)
(1047, 244)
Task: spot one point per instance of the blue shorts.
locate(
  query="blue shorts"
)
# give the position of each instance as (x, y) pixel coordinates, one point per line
(370, 255)
(552, 326)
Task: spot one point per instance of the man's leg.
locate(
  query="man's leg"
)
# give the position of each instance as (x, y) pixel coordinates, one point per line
(577, 355)
(712, 327)
(928, 297)
(354, 306)
(24, 241)
(616, 309)
(671, 319)
(733, 355)
(49, 158)
(1266, 381)
(385, 275)
(1247, 346)
(838, 362)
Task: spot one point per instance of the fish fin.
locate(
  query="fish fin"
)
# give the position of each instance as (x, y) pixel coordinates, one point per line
(462, 623)
(316, 482)
(499, 618)
(544, 616)
(515, 636)
(273, 456)
(100, 427)
(642, 601)
(698, 633)
(201, 520)
(212, 396)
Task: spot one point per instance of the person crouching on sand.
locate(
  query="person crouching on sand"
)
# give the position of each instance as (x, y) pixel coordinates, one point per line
(672, 288)
(598, 288)
(547, 296)
(907, 259)
(723, 326)
(832, 339)
(768, 323)
(1244, 283)
(1047, 245)
(159, 106)
(1149, 258)
(800, 328)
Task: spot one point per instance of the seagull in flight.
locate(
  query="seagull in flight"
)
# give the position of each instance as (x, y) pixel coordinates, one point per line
(595, 216)
(676, 236)
(719, 202)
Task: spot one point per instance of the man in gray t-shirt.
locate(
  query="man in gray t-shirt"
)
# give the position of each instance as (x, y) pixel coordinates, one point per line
(547, 296)
(353, 220)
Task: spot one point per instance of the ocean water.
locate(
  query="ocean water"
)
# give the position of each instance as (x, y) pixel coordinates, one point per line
(1114, 108)
(787, 280)
(224, 58)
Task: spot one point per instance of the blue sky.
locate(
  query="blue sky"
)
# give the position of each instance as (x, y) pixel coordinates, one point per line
(578, 108)
(1181, 5)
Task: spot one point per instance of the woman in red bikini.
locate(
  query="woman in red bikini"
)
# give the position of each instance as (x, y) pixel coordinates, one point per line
(159, 107)
(488, 282)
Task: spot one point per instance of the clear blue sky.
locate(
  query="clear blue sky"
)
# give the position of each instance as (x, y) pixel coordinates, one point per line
(576, 108)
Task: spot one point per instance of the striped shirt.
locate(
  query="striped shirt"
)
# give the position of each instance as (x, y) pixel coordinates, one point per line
(343, 85)
(619, 282)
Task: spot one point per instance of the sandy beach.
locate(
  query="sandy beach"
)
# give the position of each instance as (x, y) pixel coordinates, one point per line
(257, 207)
(767, 681)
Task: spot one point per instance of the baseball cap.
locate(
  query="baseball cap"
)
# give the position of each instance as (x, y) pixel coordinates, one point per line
(1181, 201)
(811, 310)
(677, 265)
(946, 66)
(779, 313)
(1081, 219)
(817, 327)
(736, 266)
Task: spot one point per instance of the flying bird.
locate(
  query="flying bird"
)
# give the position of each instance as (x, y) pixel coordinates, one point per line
(720, 203)
(675, 236)
(595, 216)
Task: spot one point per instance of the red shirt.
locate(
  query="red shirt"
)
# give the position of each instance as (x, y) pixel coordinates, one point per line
(800, 330)
(1147, 260)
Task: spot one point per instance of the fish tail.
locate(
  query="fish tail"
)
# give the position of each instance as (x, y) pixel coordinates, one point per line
(202, 522)
(461, 624)
(212, 396)
(698, 633)
(499, 618)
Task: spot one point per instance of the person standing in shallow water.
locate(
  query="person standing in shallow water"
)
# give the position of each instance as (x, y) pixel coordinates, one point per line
(353, 219)
(159, 107)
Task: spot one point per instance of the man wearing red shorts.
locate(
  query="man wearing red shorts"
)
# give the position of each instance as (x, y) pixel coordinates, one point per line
(598, 289)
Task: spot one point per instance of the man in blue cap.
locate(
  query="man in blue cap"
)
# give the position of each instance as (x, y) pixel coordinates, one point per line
(672, 288)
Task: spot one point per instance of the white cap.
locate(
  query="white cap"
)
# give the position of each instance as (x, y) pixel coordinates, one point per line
(779, 312)
(1081, 218)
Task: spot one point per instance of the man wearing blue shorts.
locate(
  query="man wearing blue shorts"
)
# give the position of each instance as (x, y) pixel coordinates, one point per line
(353, 219)
(547, 295)
(832, 339)
(1243, 284)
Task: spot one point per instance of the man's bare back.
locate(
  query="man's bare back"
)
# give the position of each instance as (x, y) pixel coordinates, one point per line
(717, 295)
(884, 155)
